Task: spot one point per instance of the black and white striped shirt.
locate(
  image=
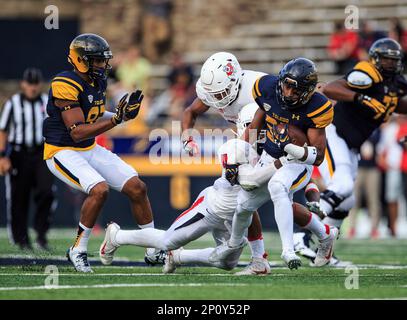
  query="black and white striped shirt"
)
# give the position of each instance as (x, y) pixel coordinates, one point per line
(22, 119)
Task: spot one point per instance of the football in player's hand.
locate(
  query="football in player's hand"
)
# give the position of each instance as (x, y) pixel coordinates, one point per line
(297, 136)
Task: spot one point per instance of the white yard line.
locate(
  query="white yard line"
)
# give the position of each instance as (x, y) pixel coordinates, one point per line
(124, 285)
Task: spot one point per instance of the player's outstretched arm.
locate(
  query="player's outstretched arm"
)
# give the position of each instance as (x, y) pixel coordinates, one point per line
(339, 90)
(188, 121)
(192, 112)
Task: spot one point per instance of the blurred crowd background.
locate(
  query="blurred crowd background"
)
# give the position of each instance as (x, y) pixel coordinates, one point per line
(159, 46)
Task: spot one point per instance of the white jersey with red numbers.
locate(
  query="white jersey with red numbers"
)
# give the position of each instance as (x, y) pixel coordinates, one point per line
(222, 196)
(245, 96)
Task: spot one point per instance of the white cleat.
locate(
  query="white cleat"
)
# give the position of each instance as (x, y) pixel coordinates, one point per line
(291, 259)
(172, 259)
(325, 248)
(79, 260)
(109, 245)
(301, 248)
(258, 266)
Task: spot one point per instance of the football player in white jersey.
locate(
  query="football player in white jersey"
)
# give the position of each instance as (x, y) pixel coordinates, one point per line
(213, 212)
(226, 88)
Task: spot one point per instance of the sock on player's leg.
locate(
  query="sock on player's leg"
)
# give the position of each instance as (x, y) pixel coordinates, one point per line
(241, 221)
(82, 238)
(199, 256)
(317, 227)
(147, 238)
(147, 225)
(257, 247)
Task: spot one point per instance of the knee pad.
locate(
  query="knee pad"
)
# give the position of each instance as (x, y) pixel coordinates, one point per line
(277, 190)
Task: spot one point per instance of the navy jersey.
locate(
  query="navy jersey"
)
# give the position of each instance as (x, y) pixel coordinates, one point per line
(68, 85)
(355, 123)
(316, 113)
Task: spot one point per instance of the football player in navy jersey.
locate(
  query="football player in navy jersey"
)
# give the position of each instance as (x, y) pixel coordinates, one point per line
(288, 98)
(76, 115)
(366, 97)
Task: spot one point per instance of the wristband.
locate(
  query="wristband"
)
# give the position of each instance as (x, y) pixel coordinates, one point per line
(74, 126)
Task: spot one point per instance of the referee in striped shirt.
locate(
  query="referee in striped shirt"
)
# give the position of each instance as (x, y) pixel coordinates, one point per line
(21, 160)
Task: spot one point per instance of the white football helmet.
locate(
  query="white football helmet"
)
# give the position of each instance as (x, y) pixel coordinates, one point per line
(245, 117)
(219, 83)
(236, 151)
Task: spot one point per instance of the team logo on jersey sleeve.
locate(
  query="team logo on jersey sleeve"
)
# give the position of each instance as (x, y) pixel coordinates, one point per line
(266, 106)
(90, 98)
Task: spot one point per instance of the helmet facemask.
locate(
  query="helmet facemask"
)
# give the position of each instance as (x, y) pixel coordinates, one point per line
(99, 72)
(218, 99)
(388, 64)
(302, 94)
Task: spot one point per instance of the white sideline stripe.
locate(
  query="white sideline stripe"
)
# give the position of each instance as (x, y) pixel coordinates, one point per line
(124, 285)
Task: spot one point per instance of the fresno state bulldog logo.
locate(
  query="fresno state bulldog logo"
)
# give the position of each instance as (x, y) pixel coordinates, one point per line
(229, 69)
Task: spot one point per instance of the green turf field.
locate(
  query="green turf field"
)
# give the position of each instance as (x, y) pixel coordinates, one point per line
(382, 269)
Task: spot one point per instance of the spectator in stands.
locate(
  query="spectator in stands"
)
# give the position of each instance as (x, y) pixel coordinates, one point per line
(398, 33)
(367, 35)
(343, 48)
(134, 71)
(156, 27)
(368, 183)
(393, 159)
(180, 93)
(131, 71)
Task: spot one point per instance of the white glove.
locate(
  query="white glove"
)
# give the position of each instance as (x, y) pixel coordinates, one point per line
(190, 146)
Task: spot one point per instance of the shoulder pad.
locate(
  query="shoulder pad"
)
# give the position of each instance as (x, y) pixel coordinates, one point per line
(65, 88)
(369, 69)
(359, 79)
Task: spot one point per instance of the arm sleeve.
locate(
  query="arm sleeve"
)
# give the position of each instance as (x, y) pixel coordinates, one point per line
(5, 116)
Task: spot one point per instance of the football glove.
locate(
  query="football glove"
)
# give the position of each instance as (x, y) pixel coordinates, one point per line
(190, 146)
(375, 105)
(231, 173)
(120, 109)
(133, 106)
(281, 137)
(314, 207)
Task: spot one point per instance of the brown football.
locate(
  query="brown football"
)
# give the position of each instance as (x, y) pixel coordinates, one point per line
(297, 136)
